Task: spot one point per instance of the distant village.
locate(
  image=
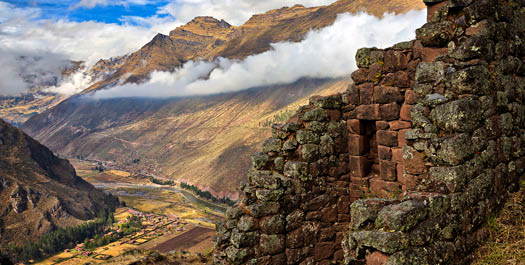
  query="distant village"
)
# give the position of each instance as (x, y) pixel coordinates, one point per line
(152, 226)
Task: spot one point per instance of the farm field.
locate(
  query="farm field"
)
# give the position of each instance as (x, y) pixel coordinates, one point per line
(172, 219)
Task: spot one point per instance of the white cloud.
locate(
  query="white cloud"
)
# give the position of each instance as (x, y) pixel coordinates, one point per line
(93, 3)
(73, 84)
(29, 70)
(234, 12)
(329, 52)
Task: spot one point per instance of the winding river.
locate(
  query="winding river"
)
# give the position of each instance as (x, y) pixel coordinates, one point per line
(187, 195)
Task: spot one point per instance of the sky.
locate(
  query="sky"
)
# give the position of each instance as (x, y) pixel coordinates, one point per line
(53, 32)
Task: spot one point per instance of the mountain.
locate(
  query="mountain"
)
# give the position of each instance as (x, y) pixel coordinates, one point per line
(203, 140)
(206, 141)
(39, 191)
(207, 38)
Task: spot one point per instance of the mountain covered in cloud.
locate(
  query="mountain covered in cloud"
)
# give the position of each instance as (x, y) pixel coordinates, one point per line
(193, 104)
(208, 38)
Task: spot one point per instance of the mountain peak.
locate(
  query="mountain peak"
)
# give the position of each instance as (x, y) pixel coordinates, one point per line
(203, 26)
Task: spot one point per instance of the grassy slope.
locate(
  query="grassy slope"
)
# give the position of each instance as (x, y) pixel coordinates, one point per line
(506, 244)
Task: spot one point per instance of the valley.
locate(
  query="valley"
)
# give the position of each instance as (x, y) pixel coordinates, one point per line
(172, 219)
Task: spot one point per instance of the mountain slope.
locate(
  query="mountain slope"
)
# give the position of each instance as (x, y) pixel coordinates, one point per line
(204, 140)
(39, 191)
(207, 140)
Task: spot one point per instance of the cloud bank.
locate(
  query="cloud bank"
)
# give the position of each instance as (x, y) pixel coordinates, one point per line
(29, 70)
(235, 12)
(54, 42)
(326, 53)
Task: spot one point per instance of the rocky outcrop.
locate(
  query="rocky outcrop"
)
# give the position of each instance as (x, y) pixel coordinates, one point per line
(19, 199)
(406, 166)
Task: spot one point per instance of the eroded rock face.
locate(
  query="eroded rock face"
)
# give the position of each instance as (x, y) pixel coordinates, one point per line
(4, 183)
(19, 199)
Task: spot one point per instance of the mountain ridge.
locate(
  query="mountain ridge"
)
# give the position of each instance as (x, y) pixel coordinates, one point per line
(39, 191)
(207, 38)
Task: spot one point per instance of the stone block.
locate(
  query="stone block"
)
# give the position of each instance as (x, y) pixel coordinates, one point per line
(359, 166)
(323, 250)
(456, 149)
(368, 56)
(405, 112)
(386, 242)
(317, 114)
(310, 152)
(387, 94)
(401, 137)
(246, 223)
(398, 125)
(410, 97)
(366, 93)
(360, 76)
(401, 217)
(386, 138)
(409, 181)
(390, 111)
(388, 170)
(436, 34)
(259, 160)
(268, 195)
(261, 209)
(296, 169)
(357, 145)
(243, 239)
(461, 115)
(271, 145)
(384, 152)
(328, 102)
(307, 137)
(401, 79)
(355, 126)
(272, 224)
(329, 214)
(272, 244)
(454, 178)
(376, 258)
(395, 60)
(382, 125)
(397, 155)
(413, 161)
(368, 112)
(429, 72)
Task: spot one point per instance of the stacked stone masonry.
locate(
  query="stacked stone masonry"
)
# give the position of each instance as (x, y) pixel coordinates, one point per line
(407, 165)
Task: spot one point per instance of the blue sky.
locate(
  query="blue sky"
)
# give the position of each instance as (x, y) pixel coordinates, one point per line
(106, 11)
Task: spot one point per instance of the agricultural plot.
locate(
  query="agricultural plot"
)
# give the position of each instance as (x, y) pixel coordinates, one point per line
(169, 219)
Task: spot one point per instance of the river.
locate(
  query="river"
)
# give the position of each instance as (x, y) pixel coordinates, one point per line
(187, 195)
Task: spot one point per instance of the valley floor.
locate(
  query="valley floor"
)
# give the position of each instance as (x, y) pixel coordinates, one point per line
(174, 219)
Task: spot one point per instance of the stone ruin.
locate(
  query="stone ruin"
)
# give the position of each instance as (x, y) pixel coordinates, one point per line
(406, 165)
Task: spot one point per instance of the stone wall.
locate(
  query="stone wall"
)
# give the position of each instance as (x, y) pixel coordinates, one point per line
(406, 166)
